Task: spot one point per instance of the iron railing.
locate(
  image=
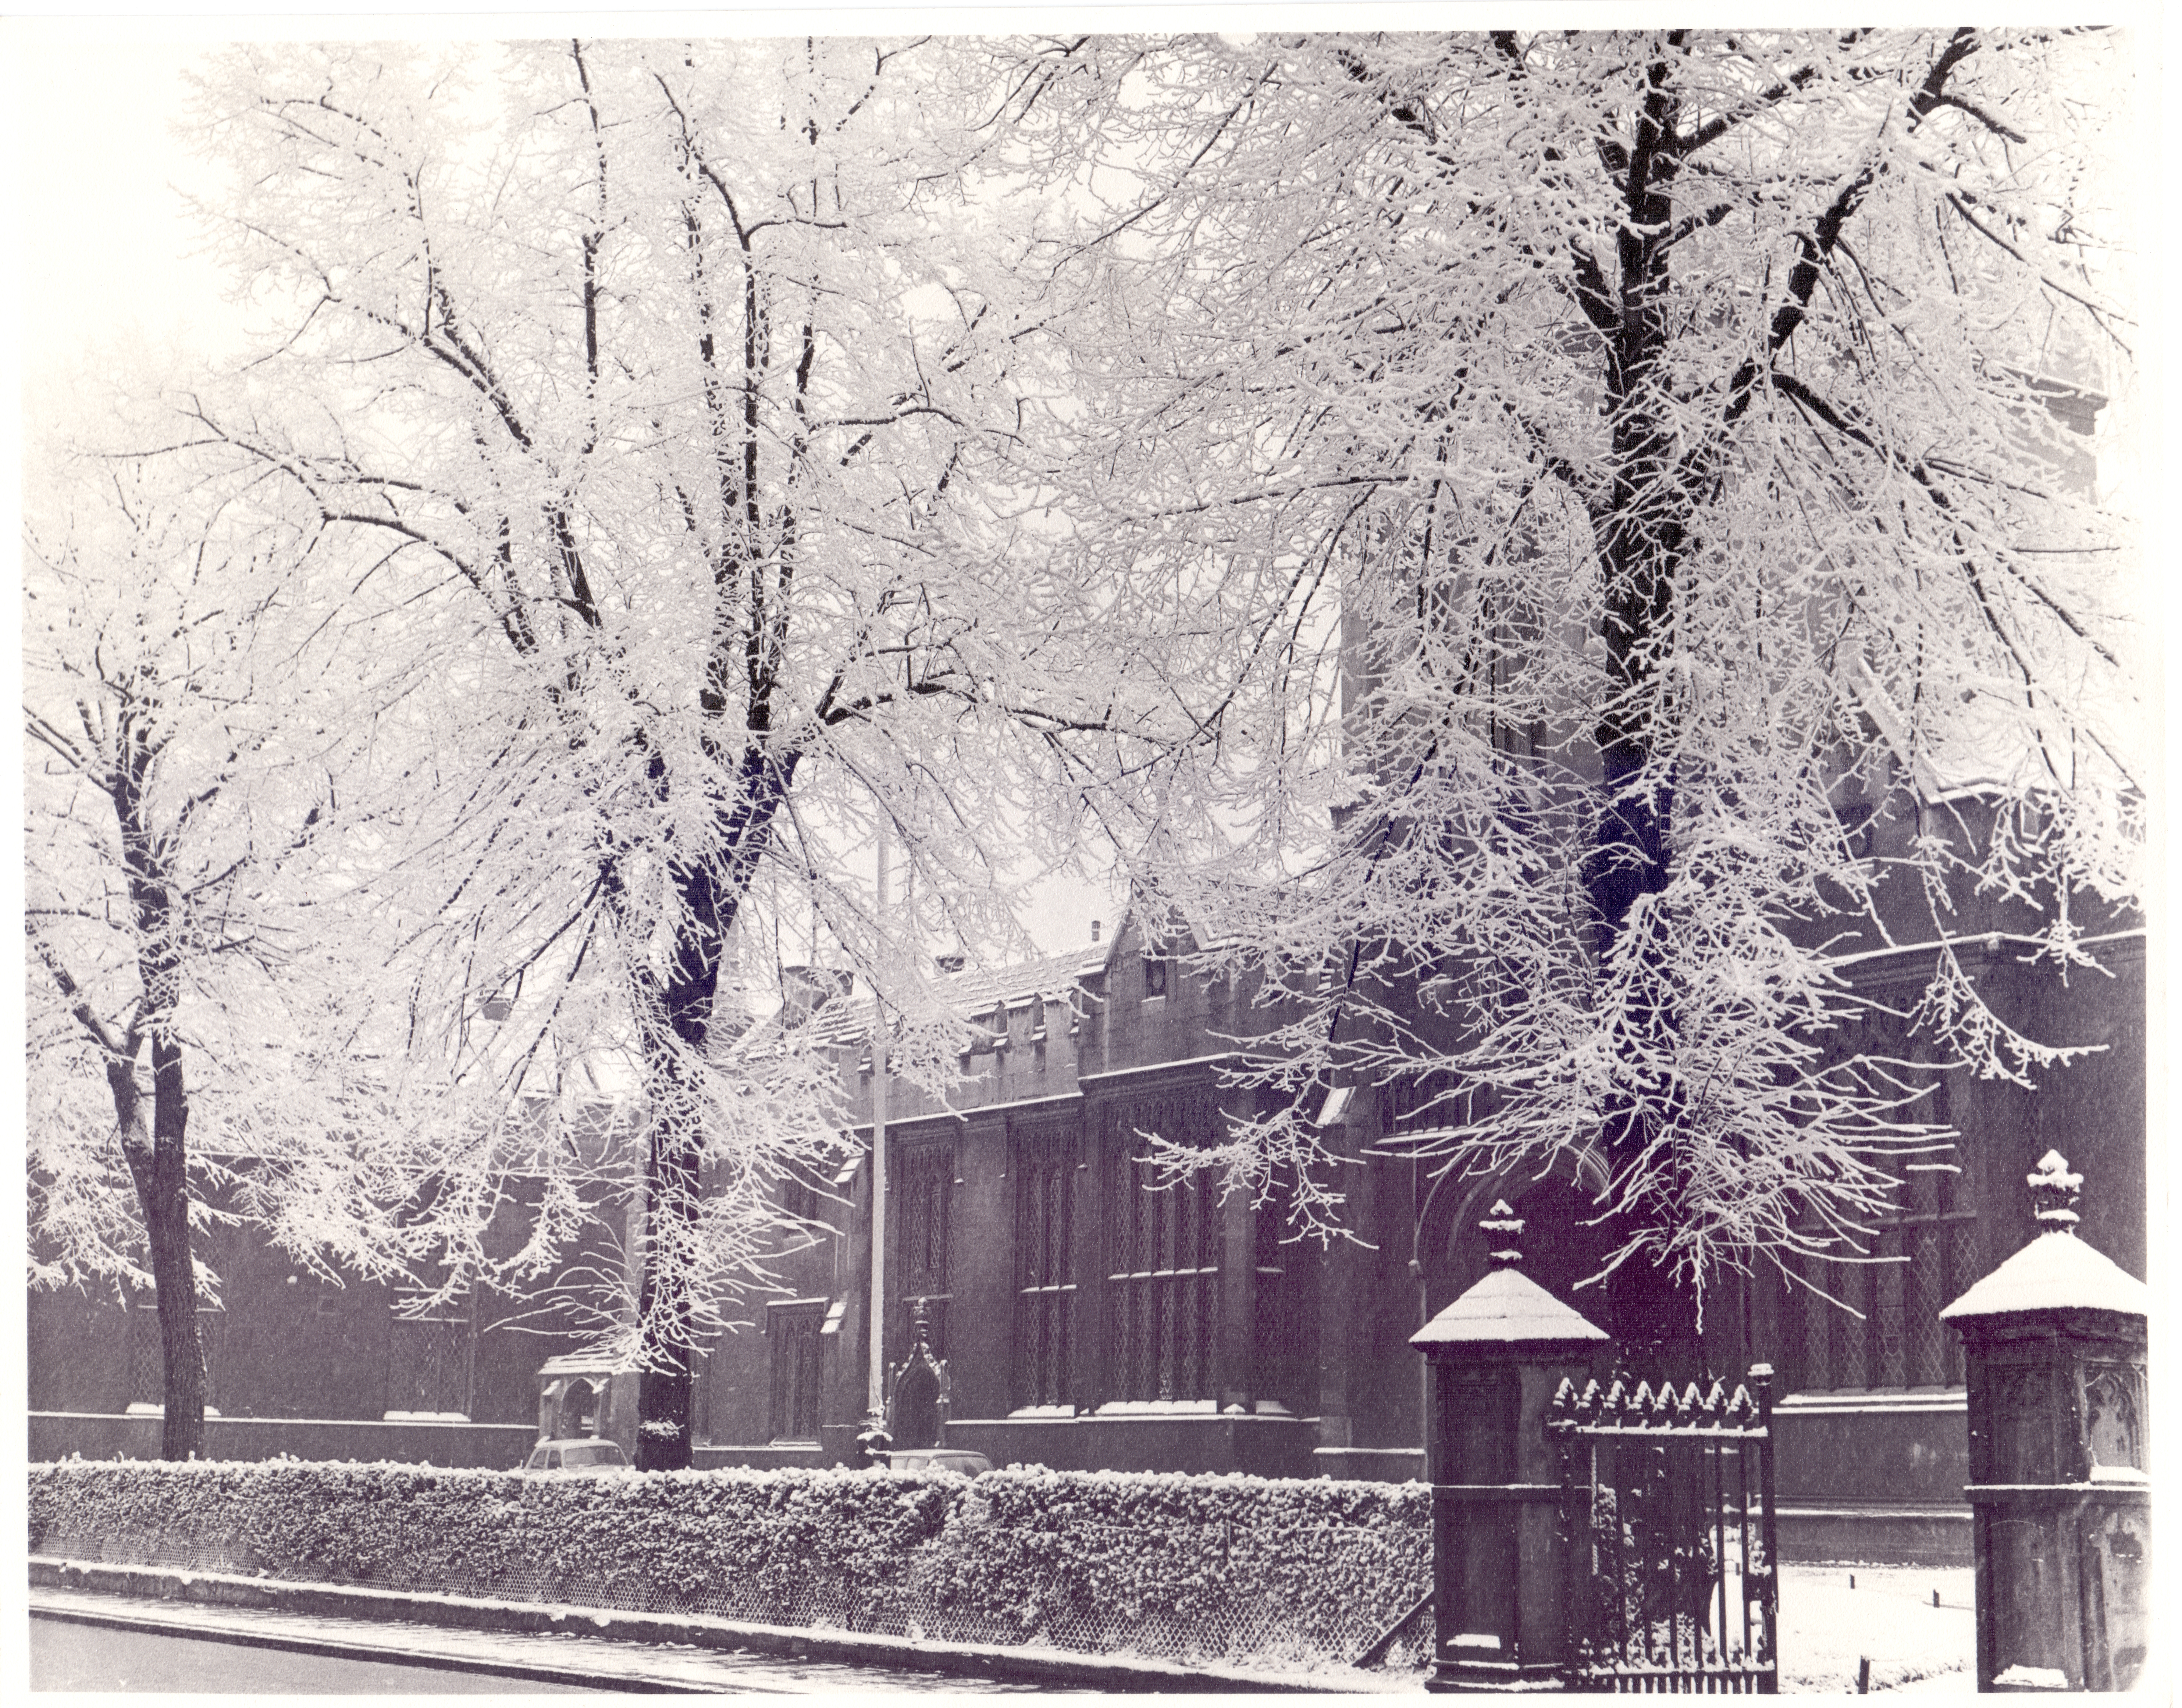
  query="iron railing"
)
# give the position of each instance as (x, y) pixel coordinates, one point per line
(1667, 1501)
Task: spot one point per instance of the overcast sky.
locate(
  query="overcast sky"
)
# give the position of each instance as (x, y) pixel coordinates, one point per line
(102, 167)
(114, 273)
(103, 176)
(105, 248)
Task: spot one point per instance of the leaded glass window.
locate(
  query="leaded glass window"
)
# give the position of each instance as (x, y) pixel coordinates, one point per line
(429, 1354)
(797, 1352)
(923, 1188)
(1043, 1164)
(1885, 1332)
(1164, 1258)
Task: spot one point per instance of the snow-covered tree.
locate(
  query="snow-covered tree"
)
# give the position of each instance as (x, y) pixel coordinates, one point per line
(195, 1050)
(1603, 475)
(684, 384)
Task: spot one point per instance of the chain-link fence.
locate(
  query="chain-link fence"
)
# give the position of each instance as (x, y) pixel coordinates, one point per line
(1233, 1600)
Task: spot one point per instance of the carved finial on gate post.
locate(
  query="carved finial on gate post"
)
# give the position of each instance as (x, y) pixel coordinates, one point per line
(2058, 1319)
(1503, 1227)
(2053, 1194)
(1493, 1360)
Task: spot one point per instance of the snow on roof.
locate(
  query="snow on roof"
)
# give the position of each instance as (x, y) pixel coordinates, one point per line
(1504, 1308)
(2055, 1272)
(1980, 741)
(977, 991)
(1970, 755)
(973, 991)
(1199, 918)
(591, 1361)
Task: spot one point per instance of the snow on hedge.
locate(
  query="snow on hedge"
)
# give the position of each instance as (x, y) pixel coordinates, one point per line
(1230, 1568)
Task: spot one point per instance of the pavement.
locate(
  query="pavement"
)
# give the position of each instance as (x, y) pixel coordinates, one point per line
(568, 1660)
(1833, 1619)
(108, 1658)
(593, 1647)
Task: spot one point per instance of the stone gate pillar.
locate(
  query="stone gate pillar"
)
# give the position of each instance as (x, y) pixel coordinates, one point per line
(1493, 1359)
(2060, 1491)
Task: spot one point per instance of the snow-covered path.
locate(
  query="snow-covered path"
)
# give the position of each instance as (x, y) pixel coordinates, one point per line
(1888, 1619)
(1832, 1617)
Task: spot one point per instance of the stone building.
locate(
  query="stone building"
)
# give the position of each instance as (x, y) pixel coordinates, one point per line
(317, 1365)
(1088, 1317)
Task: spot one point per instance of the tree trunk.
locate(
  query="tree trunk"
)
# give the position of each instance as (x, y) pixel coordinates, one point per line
(666, 1290)
(158, 1164)
(1643, 532)
(665, 1383)
(667, 1305)
(173, 1271)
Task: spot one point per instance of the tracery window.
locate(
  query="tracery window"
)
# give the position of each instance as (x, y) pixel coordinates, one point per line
(429, 1357)
(1159, 964)
(803, 1201)
(1164, 1252)
(1037, 1034)
(1285, 1339)
(925, 1196)
(796, 1354)
(146, 1353)
(1043, 1164)
(1890, 1336)
(1420, 1102)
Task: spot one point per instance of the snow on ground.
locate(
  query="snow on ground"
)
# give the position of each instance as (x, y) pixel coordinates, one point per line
(614, 1664)
(1888, 1619)
(1827, 1627)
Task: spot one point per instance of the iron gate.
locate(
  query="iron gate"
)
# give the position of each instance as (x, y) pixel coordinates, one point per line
(1667, 1498)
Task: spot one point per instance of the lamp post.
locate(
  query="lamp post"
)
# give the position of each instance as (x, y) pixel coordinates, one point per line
(875, 1374)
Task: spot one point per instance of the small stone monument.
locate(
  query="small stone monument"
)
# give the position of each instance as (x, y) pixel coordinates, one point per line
(1499, 1576)
(2061, 1491)
(919, 1389)
(588, 1393)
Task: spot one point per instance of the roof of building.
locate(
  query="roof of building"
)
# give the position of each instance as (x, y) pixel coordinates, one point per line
(973, 991)
(592, 1361)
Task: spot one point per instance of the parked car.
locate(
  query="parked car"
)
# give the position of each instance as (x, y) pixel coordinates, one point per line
(582, 1453)
(957, 1459)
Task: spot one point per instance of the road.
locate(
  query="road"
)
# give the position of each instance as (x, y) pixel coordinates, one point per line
(89, 1642)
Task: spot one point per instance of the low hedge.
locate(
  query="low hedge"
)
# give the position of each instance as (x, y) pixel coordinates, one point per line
(1249, 1563)
(1214, 1566)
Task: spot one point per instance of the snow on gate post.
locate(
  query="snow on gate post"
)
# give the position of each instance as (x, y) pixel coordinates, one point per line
(2060, 1497)
(1495, 1358)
